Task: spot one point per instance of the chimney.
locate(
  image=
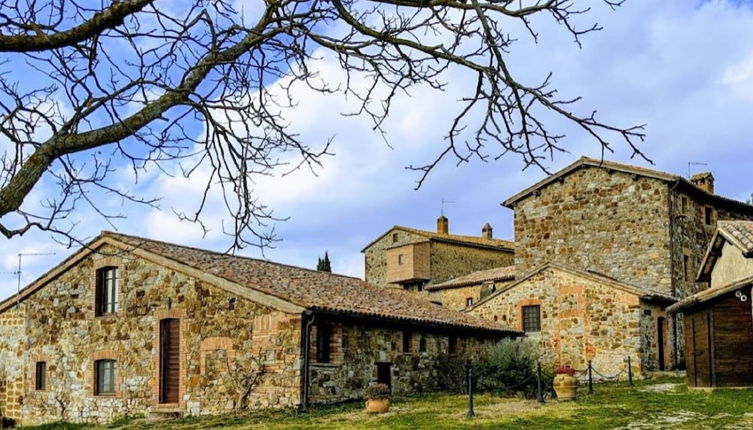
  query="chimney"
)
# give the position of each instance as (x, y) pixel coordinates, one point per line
(486, 231)
(704, 181)
(443, 225)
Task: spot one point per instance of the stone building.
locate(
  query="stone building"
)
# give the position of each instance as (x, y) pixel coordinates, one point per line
(461, 293)
(129, 325)
(577, 316)
(718, 321)
(416, 259)
(639, 226)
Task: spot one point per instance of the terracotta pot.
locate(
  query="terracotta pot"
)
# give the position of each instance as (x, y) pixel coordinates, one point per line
(377, 406)
(565, 386)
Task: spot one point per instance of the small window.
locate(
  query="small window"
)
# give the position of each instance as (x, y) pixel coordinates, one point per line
(400, 259)
(394, 237)
(532, 318)
(104, 371)
(709, 215)
(468, 302)
(323, 339)
(496, 318)
(40, 383)
(407, 342)
(420, 287)
(422, 344)
(107, 291)
(452, 346)
(684, 204)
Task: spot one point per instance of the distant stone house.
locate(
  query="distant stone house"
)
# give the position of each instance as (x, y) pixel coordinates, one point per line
(416, 259)
(719, 320)
(129, 325)
(638, 226)
(465, 291)
(576, 316)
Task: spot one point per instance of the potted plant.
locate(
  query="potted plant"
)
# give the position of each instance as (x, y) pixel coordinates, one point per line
(378, 399)
(565, 383)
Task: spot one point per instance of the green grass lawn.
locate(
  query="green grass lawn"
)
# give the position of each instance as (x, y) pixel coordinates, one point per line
(660, 404)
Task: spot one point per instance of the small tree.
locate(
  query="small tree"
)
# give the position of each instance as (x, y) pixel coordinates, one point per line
(324, 264)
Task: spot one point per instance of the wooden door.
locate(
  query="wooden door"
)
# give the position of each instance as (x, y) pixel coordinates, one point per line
(169, 361)
(660, 327)
(384, 374)
(701, 349)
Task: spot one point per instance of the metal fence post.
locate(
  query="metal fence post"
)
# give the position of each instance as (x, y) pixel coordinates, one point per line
(469, 374)
(590, 378)
(630, 371)
(540, 395)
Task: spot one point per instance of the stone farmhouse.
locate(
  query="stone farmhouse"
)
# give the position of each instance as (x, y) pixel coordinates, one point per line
(624, 239)
(718, 322)
(417, 259)
(128, 325)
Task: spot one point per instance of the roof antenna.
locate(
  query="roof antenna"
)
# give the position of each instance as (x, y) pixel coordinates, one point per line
(18, 272)
(694, 163)
(446, 202)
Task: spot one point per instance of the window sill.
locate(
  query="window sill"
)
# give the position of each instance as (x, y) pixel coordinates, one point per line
(330, 365)
(105, 396)
(109, 316)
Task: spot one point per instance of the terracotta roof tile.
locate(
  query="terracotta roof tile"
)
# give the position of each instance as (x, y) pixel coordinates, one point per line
(450, 238)
(739, 231)
(497, 274)
(312, 289)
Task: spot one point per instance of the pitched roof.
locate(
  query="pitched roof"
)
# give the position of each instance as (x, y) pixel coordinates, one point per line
(708, 294)
(476, 241)
(643, 293)
(302, 288)
(491, 275)
(738, 233)
(627, 168)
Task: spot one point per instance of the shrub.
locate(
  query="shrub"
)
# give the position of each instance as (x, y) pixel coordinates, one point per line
(378, 391)
(564, 370)
(509, 367)
(450, 371)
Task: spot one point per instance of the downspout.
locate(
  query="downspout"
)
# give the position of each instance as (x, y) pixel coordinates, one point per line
(675, 351)
(307, 320)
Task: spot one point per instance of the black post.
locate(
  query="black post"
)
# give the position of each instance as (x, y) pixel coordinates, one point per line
(630, 371)
(540, 395)
(590, 378)
(469, 374)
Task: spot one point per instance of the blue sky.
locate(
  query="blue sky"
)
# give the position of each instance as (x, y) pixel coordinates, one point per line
(684, 68)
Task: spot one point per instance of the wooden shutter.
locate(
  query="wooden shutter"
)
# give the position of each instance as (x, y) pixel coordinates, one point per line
(169, 361)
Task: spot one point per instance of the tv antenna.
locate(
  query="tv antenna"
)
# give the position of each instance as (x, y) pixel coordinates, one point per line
(694, 163)
(446, 202)
(18, 272)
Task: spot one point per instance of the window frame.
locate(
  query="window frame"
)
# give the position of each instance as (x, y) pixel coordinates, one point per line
(468, 302)
(107, 294)
(323, 343)
(407, 342)
(452, 345)
(100, 381)
(708, 214)
(527, 317)
(422, 344)
(686, 267)
(40, 376)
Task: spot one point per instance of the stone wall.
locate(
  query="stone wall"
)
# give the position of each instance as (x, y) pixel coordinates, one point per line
(456, 298)
(61, 329)
(356, 350)
(581, 320)
(449, 261)
(612, 222)
(375, 256)
(12, 360)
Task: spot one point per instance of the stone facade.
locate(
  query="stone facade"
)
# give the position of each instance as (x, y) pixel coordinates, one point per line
(457, 297)
(642, 227)
(359, 349)
(60, 328)
(449, 256)
(238, 347)
(583, 317)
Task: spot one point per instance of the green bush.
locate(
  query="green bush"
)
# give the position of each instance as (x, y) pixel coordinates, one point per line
(378, 391)
(510, 367)
(450, 370)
